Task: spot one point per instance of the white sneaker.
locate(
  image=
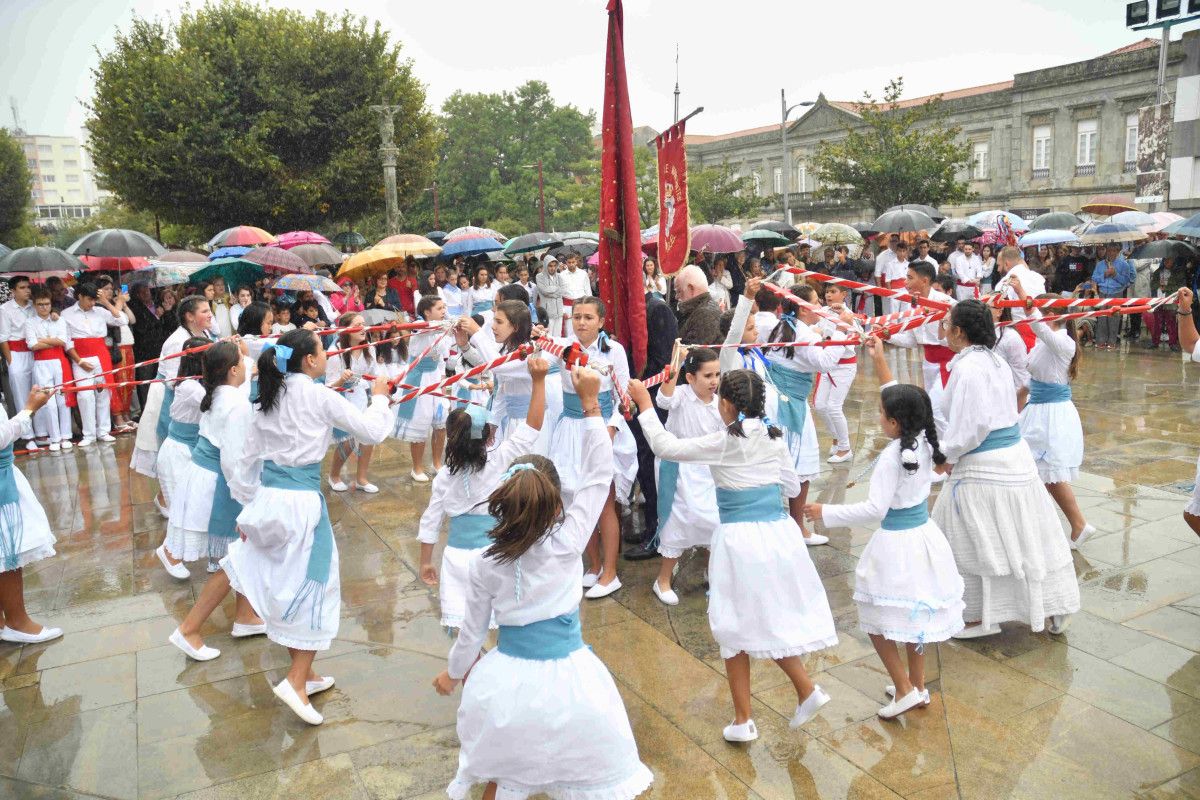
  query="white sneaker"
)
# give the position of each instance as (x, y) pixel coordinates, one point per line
(66, 444)
(816, 540)
(241, 631)
(891, 692)
(337, 486)
(808, 709)
(976, 632)
(901, 704)
(32, 447)
(842, 459)
(419, 477)
(162, 510)
(17, 637)
(87, 441)
(107, 437)
(599, 590)
(369, 488)
(1059, 623)
(316, 687)
(205, 653)
(1087, 531)
(668, 596)
(54, 448)
(178, 571)
(589, 579)
(304, 711)
(746, 732)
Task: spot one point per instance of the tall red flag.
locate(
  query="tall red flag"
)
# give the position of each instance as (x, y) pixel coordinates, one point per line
(620, 272)
(674, 235)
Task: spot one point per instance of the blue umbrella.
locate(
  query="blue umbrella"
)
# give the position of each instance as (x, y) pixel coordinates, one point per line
(1185, 227)
(1050, 236)
(228, 252)
(471, 247)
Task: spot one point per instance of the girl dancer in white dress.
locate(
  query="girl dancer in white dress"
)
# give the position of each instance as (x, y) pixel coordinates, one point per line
(994, 509)
(175, 453)
(511, 327)
(287, 564)
(1011, 348)
(345, 371)
(476, 456)
(424, 416)
(765, 599)
(834, 386)
(1050, 422)
(906, 585)
(25, 535)
(687, 505)
(481, 297)
(540, 713)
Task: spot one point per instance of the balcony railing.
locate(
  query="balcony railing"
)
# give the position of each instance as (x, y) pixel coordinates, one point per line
(1041, 173)
(1130, 167)
(1084, 170)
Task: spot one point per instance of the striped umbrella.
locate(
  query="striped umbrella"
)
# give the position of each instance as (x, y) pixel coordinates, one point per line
(471, 230)
(246, 235)
(302, 283)
(276, 260)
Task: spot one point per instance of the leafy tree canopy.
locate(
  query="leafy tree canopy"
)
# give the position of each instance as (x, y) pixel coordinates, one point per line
(15, 211)
(239, 114)
(716, 193)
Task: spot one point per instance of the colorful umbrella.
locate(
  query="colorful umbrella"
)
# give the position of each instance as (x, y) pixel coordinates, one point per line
(1054, 220)
(1108, 233)
(470, 245)
(764, 237)
(182, 257)
(412, 244)
(902, 221)
(951, 230)
(117, 263)
(293, 238)
(1105, 205)
(991, 220)
(715, 239)
(317, 255)
(235, 271)
(1138, 219)
(928, 211)
(276, 261)
(28, 260)
(371, 262)
(242, 235)
(165, 273)
(302, 283)
(1047, 236)
(529, 242)
(228, 252)
(782, 228)
(471, 230)
(835, 233)
(1164, 218)
(1185, 227)
(807, 228)
(116, 243)
(349, 239)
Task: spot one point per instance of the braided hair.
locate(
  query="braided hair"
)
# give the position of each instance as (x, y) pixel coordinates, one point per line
(785, 330)
(974, 319)
(909, 406)
(746, 392)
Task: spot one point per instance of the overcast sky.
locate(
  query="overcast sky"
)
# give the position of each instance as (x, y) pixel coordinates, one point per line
(734, 58)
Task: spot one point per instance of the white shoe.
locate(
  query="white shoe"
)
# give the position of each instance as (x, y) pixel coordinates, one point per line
(107, 437)
(976, 632)
(87, 441)
(54, 448)
(589, 579)
(1087, 531)
(938, 477)
(419, 477)
(17, 637)
(901, 704)
(205, 653)
(842, 459)
(306, 712)
(66, 444)
(369, 488)
(316, 687)
(809, 708)
(179, 571)
(816, 540)
(746, 732)
(668, 596)
(241, 631)
(337, 486)
(1059, 623)
(599, 590)
(32, 447)
(163, 510)
(891, 692)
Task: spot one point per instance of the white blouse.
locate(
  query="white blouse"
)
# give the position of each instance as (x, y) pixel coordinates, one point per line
(689, 415)
(764, 322)
(173, 345)
(186, 406)
(227, 425)
(1050, 358)
(1011, 347)
(551, 580)
(806, 359)
(478, 294)
(892, 486)
(929, 333)
(512, 378)
(467, 492)
(357, 389)
(14, 427)
(978, 400)
(615, 357)
(91, 324)
(737, 463)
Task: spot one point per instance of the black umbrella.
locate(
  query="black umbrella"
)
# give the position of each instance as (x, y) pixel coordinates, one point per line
(581, 249)
(528, 242)
(1054, 221)
(953, 229)
(1164, 248)
(116, 243)
(864, 227)
(903, 221)
(782, 228)
(5, 250)
(350, 239)
(928, 211)
(39, 259)
(436, 236)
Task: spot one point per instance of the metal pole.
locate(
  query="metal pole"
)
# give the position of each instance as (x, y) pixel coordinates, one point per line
(541, 200)
(1162, 63)
(787, 166)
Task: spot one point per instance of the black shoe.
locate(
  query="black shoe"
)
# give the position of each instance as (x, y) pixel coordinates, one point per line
(629, 532)
(640, 552)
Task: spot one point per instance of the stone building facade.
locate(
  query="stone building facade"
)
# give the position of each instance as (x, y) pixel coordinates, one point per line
(1045, 140)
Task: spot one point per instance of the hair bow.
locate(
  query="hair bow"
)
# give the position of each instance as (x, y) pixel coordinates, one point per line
(283, 354)
(741, 417)
(790, 318)
(479, 418)
(515, 468)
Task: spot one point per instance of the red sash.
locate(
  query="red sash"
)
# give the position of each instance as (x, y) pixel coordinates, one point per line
(1025, 331)
(94, 348)
(940, 354)
(832, 382)
(59, 355)
(974, 286)
(896, 283)
(18, 346)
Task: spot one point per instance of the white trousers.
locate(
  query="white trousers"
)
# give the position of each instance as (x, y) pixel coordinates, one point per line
(829, 399)
(93, 405)
(53, 420)
(933, 387)
(20, 378)
(964, 292)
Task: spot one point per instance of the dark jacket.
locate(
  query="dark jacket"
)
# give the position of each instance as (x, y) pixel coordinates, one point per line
(149, 332)
(662, 329)
(699, 320)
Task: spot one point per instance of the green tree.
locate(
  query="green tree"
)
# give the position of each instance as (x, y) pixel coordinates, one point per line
(16, 229)
(716, 193)
(896, 155)
(239, 114)
(112, 213)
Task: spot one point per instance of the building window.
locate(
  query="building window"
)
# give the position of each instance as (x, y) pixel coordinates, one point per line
(71, 163)
(47, 163)
(979, 161)
(1131, 142)
(47, 179)
(757, 182)
(777, 180)
(1041, 151)
(72, 178)
(802, 178)
(73, 192)
(69, 149)
(1086, 140)
(45, 148)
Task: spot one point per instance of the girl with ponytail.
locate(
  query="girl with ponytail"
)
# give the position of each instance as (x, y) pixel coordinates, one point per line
(345, 372)
(906, 585)
(765, 597)
(541, 683)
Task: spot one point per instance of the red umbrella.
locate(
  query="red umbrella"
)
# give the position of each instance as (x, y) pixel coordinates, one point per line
(241, 236)
(1108, 204)
(276, 260)
(716, 239)
(117, 263)
(292, 238)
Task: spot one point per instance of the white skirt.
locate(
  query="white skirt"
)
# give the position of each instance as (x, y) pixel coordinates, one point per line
(452, 585)
(1193, 506)
(907, 587)
(191, 508)
(37, 541)
(556, 727)
(566, 451)
(805, 449)
(765, 597)
(174, 458)
(269, 567)
(1055, 437)
(694, 515)
(1007, 541)
(429, 413)
(146, 445)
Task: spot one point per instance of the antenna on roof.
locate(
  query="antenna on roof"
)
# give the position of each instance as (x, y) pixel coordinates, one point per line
(677, 81)
(19, 131)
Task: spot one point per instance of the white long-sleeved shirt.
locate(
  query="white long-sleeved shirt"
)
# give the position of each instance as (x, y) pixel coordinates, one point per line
(892, 486)
(1050, 358)
(966, 269)
(929, 333)
(227, 425)
(732, 358)
(689, 415)
(174, 344)
(467, 492)
(575, 284)
(357, 390)
(13, 318)
(806, 359)
(978, 400)
(91, 324)
(1011, 348)
(883, 261)
(551, 582)
(615, 357)
(186, 406)
(478, 294)
(1033, 284)
(14, 427)
(764, 322)
(37, 328)
(453, 297)
(512, 378)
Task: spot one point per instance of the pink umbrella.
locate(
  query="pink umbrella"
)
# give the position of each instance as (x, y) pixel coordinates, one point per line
(292, 238)
(276, 260)
(716, 239)
(1163, 219)
(594, 259)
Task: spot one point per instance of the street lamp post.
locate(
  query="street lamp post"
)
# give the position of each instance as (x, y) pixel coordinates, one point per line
(541, 194)
(388, 152)
(437, 225)
(787, 158)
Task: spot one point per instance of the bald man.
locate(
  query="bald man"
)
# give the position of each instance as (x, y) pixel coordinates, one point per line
(699, 315)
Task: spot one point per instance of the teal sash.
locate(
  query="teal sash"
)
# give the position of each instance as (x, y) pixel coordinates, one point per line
(422, 368)
(254, 389)
(1040, 392)
(668, 479)
(903, 519)
(572, 409)
(12, 521)
(184, 433)
(222, 520)
(794, 387)
(481, 306)
(470, 531)
(756, 504)
(545, 640)
(997, 439)
(164, 412)
(306, 479)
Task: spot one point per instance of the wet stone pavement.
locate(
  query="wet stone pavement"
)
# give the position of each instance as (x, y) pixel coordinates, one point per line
(1111, 709)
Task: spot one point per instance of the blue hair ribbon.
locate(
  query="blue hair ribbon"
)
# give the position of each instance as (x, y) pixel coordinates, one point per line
(514, 469)
(479, 418)
(283, 354)
(790, 318)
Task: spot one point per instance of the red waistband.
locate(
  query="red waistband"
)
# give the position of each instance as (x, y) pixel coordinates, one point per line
(897, 283)
(18, 346)
(849, 360)
(49, 354)
(566, 301)
(965, 283)
(938, 353)
(90, 346)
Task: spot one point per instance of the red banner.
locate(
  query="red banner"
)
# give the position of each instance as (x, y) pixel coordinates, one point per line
(674, 234)
(620, 271)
